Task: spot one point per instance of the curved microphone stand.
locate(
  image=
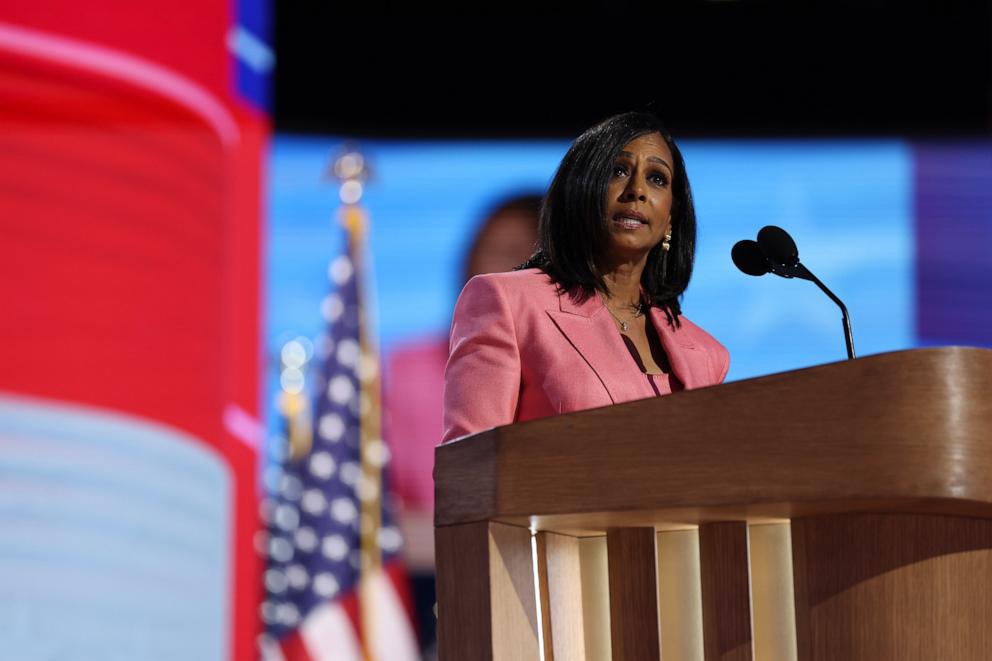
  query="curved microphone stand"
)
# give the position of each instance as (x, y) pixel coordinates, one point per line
(776, 252)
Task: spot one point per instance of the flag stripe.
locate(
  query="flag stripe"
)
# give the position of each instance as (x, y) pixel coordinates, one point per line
(328, 635)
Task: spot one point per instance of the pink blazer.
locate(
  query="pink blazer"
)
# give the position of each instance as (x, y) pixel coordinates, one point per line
(519, 351)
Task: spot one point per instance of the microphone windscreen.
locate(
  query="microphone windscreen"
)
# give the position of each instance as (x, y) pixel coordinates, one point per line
(748, 257)
(778, 246)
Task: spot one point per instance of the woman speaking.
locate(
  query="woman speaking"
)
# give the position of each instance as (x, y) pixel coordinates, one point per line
(593, 317)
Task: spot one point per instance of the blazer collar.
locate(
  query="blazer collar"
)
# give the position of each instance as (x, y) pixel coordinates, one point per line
(589, 327)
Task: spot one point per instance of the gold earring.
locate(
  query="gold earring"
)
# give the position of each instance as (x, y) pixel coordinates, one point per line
(666, 245)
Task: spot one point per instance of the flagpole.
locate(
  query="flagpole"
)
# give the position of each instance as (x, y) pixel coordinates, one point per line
(351, 170)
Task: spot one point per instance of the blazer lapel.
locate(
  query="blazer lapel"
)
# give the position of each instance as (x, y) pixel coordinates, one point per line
(682, 353)
(589, 328)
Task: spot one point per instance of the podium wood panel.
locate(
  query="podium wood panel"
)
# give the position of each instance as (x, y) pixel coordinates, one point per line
(634, 626)
(726, 596)
(487, 608)
(900, 587)
(883, 465)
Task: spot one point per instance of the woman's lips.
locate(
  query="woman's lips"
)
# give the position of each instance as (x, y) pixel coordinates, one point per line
(630, 220)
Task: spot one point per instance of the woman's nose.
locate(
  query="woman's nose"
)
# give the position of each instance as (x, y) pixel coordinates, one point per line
(633, 191)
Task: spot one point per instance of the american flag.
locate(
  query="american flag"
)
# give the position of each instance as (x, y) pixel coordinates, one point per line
(333, 581)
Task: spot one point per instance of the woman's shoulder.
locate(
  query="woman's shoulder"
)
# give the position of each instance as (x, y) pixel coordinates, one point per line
(518, 295)
(524, 278)
(526, 284)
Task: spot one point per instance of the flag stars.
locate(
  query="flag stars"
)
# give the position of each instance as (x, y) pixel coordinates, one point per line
(273, 474)
(287, 517)
(322, 465)
(305, 539)
(331, 427)
(268, 610)
(340, 270)
(340, 389)
(280, 549)
(347, 352)
(287, 614)
(350, 473)
(290, 487)
(334, 547)
(276, 581)
(313, 502)
(297, 577)
(325, 585)
(343, 510)
(331, 308)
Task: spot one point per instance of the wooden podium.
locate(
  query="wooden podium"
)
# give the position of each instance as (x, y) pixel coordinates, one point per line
(842, 512)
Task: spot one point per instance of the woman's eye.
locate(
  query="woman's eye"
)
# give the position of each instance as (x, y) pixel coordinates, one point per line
(659, 179)
(619, 171)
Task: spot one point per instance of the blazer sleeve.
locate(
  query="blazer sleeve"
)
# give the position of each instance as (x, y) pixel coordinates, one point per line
(482, 377)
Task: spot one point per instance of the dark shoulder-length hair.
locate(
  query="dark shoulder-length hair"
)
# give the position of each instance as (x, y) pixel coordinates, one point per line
(573, 230)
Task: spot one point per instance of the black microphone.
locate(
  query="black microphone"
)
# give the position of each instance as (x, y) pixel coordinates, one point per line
(778, 246)
(749, 258)
(776, 252)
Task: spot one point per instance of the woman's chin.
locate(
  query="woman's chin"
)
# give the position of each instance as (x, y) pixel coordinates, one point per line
(629, 249)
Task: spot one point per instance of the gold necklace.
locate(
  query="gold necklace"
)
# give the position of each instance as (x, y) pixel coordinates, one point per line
(624, 325)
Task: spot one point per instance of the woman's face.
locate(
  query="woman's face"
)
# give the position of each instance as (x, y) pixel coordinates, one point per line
(639, 197)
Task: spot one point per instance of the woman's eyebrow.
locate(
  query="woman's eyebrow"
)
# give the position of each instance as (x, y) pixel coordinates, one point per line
(654, 159)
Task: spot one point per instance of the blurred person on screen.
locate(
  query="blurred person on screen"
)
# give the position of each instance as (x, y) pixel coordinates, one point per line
(594, 317)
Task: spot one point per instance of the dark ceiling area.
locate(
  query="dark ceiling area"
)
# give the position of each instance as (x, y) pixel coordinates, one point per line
(711, 69)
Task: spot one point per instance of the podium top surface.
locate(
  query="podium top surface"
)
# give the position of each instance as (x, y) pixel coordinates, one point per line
(909, 431)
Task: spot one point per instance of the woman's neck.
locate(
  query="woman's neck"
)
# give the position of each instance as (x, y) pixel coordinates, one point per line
(624, 282)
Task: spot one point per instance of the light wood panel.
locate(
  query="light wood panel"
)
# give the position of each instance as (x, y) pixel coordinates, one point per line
(487, 608)
(725, 588)
(595, 597)
(901, 587)
(773, 608)
(679, 597)
(633, 561)
(560, 572)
